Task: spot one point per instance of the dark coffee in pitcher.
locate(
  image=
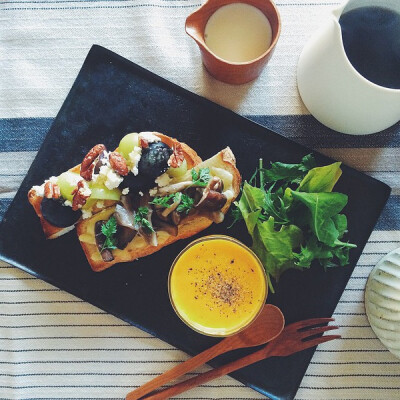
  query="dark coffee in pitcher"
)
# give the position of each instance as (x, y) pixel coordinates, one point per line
(371, 39)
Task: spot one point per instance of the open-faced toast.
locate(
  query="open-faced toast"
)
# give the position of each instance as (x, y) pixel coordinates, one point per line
(55, 227)
(208, 201)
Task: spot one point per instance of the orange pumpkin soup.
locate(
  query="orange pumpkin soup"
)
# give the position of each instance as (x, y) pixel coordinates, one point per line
(217, 285)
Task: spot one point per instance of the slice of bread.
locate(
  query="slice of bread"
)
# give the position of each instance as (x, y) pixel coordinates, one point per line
(223, 165)
(53, 232)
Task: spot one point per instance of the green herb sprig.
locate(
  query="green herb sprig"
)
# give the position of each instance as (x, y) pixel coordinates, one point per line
(141, 219)
(109, 229)
(294, 217)
(200, 178)
(185, 205)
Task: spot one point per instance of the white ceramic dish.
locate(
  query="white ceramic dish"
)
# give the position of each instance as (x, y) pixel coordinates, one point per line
(382, 301)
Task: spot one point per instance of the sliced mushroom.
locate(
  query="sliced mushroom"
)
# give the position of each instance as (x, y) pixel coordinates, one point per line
(176, 218)
(124, 217)
(100, 239)
(211, 200)
(172, 207)
(126, 227)
(175, 187)
(124, 236)
(161, 225)
(216, 184)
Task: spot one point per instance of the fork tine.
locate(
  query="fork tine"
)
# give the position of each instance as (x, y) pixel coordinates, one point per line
(308, 323)
(316, 331)
(317, 341)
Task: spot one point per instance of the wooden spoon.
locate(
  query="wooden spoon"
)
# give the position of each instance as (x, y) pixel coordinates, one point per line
(266, 327)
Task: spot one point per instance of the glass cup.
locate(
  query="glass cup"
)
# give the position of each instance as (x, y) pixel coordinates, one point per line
(217, 285)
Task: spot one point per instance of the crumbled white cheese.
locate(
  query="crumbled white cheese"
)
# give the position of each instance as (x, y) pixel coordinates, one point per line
(134, 158)
(86, 214)
(153, 192)
(39, 190)
(85, 191)
(113, 179)
(52, 179)
(67, 203)
(141, 194)
(95, 177)
(125, 191)
(149, 137)
(163, 180)
(106, 164)
(105, 160)
(100, 204)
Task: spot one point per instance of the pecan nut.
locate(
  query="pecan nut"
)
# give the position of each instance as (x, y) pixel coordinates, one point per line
(177, 156)
(87, 165)
(80, 197)
(118, 164)
(51, 190)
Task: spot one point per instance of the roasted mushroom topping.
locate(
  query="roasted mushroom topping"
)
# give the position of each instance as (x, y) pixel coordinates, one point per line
(216, 184)
(124, 217)
(212, 198)
(55, 213)
(162, 225)
(124, 236)
(176, 218)
(174, 188)
(106, 254)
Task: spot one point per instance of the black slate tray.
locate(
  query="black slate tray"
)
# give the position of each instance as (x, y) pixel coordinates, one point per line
(111, 97)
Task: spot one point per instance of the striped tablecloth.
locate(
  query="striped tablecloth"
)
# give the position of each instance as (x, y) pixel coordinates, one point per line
(53, 345)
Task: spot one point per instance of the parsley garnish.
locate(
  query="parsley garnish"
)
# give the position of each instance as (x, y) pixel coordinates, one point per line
(201, 178)
(109, 229)
(164, 201)
(141, 219)
(186, 204)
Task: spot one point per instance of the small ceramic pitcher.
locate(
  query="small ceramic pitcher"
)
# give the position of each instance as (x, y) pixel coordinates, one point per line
(226, 71)
(332, 89)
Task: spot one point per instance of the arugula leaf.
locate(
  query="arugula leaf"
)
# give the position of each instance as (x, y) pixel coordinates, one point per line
(186, 204)
(276, 247)
(321, 179)
(141, 219)
(294, 217)
(200, 178)
(109, 229)
(290, 173)
(323, 206)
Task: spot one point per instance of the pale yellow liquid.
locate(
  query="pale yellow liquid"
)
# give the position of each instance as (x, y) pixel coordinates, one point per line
(217, 287)
(238, 33)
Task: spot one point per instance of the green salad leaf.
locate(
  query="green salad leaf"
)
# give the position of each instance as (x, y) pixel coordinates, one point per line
(293, 216)
(321, 179)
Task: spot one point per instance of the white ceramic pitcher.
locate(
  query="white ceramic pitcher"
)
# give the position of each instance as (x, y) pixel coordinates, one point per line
(331, 88)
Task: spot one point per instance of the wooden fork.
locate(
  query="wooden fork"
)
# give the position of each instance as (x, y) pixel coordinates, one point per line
(294, 338)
